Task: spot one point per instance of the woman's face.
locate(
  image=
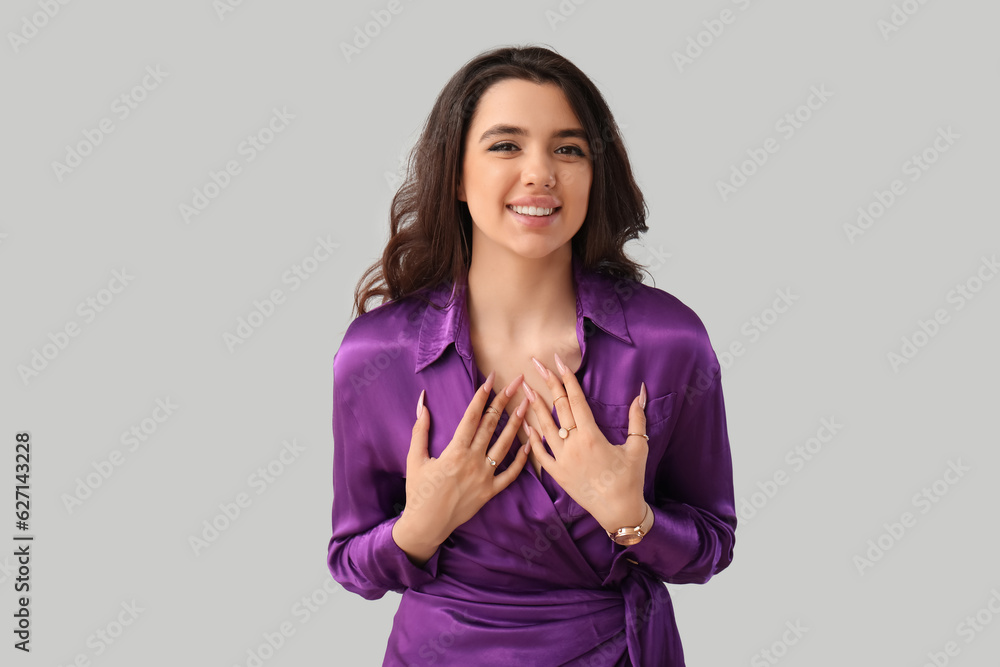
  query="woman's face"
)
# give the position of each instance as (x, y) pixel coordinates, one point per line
(525, 146)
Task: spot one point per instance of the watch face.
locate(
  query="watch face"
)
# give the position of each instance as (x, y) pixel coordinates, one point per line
(628, 540)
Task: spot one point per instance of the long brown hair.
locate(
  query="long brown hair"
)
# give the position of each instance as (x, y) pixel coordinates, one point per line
(430, 228)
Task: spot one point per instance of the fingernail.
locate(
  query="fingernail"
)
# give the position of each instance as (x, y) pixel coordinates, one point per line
(420, 404)
(528, 429)
(522, 407)
(530, 392)
(541, 369)
(642, 396)
(512, 387)
(562, 367)
(489, 382)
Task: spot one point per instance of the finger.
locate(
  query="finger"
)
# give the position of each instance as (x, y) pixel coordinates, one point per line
(490, 419)
(498, 452)
(417, 453)
(636, 424)
(535, 439)
(503, 480)
(564, 410)
(469, 423)
(544, 415)
(577, 400)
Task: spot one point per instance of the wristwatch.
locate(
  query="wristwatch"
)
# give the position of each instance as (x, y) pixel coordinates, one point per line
(629, 535)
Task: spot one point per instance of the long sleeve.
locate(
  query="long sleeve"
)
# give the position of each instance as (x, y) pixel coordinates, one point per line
(367, 498)
(694, 527)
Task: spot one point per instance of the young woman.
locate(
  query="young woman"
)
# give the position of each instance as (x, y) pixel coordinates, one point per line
(548, 542)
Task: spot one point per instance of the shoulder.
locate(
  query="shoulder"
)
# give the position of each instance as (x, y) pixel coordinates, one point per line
(381, 338)
(657, 318)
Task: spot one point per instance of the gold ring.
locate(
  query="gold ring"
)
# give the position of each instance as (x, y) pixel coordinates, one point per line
(494, 410)
(564, 432)
(492, 462)
(643, 435)
(557, 398)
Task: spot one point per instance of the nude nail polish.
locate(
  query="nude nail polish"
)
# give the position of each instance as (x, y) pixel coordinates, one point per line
(522, 407)
(530, 392)
(642, 396)
(541, 369)
(512, 387)
(563, 368)
(420, 403)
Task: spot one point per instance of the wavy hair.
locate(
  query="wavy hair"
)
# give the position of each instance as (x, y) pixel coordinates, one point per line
(430, 228)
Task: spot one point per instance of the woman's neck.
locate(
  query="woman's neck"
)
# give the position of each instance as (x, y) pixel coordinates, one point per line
(517, 298)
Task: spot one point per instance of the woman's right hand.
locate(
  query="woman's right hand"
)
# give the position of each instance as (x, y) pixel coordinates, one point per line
(443, 493)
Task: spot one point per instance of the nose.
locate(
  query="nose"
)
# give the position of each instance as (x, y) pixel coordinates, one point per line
(538, 170)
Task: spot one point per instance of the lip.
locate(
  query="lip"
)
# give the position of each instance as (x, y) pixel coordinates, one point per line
(534, 220)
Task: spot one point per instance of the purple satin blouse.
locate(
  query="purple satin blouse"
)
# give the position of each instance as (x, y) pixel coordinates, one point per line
(532, 578)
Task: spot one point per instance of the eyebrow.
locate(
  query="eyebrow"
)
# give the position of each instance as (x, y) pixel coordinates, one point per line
(501, 129)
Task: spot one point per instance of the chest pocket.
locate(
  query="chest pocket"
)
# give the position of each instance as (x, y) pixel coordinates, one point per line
(612, 418)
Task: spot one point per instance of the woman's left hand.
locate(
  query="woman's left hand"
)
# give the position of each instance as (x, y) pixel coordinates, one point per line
(604, 479)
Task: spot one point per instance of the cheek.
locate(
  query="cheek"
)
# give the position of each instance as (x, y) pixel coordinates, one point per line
(577, 184)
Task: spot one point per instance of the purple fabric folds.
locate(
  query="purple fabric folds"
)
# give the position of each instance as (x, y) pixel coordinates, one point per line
(532, 578)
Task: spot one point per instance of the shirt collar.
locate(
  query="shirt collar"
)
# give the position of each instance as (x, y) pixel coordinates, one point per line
(596, 299)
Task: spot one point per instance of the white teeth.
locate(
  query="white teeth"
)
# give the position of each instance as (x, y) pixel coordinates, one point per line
(531, 210)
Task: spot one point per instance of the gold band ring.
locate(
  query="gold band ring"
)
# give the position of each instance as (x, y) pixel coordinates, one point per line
(557, 398)
(643, 435)
(494, 410)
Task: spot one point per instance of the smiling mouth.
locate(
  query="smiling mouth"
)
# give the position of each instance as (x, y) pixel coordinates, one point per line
(534, 212)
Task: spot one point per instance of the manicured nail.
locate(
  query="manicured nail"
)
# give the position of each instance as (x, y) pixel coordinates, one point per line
(541, 369)
(420, 404)
(642, 396)
(562, 367)
(489, 382)
(530, 392)
(512, 387)
(521, 408)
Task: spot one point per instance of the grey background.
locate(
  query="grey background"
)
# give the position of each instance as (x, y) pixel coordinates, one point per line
(330, 173)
